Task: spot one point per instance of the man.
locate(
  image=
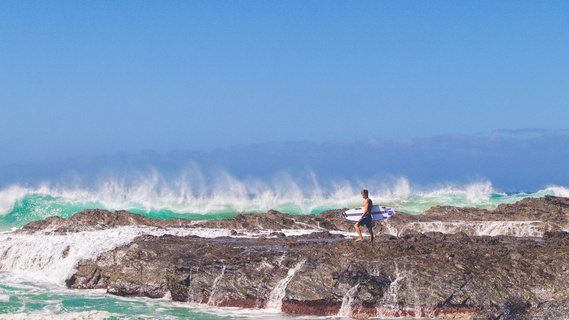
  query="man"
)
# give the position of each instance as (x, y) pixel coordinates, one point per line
(366, 217)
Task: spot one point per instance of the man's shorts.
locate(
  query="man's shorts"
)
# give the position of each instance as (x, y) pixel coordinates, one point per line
(366, 220)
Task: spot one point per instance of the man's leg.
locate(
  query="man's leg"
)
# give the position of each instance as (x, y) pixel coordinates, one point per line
(357, 226)
(370, 233)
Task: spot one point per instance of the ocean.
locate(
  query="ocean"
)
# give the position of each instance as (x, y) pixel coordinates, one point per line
(33, 272)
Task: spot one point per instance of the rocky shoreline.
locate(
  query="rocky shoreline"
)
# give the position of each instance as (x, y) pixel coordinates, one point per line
(508, 263)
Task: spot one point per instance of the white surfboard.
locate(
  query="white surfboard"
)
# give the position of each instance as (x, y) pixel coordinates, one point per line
(377, 213)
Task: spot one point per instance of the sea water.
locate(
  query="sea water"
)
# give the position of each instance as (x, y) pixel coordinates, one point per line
(33, 272)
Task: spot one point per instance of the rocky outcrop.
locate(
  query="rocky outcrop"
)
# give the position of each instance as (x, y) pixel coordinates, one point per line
(90, 220)
(404, 273)
(418, 275)
(529, 218)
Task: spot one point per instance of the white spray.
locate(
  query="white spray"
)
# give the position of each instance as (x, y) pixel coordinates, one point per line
(277, 295)
(347, 301)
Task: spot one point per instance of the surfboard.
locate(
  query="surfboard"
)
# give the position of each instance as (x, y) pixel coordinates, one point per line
(377, 213)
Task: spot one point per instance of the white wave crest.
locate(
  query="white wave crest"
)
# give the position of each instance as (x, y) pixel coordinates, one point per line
(9, 196)
(476, 193)
(192, 191)
(556, 191)
(189, 192)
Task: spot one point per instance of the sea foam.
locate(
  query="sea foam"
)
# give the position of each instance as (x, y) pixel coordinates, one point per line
(194, 195)
(52, 258)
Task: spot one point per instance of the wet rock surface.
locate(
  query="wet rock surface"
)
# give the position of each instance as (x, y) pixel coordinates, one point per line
(409, 271)
(530, 218)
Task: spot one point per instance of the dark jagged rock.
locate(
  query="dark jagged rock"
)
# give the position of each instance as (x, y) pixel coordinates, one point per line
(89, 220)
(420, 275)
(96, 219)
(407, 272)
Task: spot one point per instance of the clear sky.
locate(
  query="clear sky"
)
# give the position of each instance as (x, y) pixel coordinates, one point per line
(100, 77)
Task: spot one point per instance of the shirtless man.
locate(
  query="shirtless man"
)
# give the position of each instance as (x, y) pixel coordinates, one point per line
(366, 217)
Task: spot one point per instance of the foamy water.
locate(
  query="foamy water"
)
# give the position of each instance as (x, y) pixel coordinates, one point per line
(225, 196)
(52, 258)
(278, 293)
(521, 229)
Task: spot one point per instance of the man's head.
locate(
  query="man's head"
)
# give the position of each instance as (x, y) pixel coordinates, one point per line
(364, 193)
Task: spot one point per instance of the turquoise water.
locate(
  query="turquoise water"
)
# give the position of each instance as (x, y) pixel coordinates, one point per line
(20, 299)
(24, 295)
(21, 205)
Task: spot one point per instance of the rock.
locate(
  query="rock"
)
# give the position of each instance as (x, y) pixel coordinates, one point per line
(406, 276)
(411, 270)
(89, 220)
(529, 218)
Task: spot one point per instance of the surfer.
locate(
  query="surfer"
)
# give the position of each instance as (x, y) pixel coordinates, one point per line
(366, 217)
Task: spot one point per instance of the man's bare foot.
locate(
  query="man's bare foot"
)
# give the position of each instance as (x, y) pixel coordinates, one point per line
(359, 240)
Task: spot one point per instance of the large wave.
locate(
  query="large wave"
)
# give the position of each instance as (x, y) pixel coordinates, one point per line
(194, 194)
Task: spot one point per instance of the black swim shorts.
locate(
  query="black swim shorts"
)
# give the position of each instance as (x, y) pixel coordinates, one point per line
(366, 220)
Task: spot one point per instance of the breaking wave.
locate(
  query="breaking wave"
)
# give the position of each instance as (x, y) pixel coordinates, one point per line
(193, 195)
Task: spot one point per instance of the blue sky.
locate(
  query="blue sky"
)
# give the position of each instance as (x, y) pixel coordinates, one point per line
(88, 78)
